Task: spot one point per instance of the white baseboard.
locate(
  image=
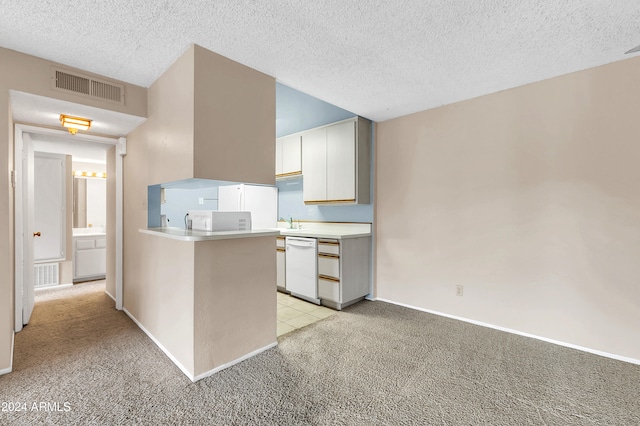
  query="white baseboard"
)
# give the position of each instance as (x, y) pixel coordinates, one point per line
(49, 287)
(111, 296)
(10, 369)
(182, 367)
(162, 348)
(234, 362)
(520, 333)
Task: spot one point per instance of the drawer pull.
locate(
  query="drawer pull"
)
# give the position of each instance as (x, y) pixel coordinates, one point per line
(332, 242)
(328, 278)
(280, 249)
(328, 255)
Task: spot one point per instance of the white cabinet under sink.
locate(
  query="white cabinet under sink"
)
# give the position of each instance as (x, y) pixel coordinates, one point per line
(89, 257)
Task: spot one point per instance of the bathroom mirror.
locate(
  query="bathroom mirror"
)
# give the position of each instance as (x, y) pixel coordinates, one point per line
(89, 202)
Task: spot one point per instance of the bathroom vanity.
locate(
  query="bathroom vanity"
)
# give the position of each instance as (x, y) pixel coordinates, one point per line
(89, 254)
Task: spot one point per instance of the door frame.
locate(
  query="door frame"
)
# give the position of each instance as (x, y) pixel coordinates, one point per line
(19, 235)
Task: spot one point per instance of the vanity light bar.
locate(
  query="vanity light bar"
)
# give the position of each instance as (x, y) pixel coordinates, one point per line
(79, 173)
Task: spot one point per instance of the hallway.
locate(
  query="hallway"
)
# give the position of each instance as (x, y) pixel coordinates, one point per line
(63, 328)
(75, 347)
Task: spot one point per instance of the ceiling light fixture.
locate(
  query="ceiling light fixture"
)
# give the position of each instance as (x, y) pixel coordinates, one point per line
(74, 123)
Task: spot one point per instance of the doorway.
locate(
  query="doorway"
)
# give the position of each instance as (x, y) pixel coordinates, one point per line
(24, 205)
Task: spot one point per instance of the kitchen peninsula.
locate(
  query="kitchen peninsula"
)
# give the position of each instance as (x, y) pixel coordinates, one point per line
(195, 235)
(219, 290)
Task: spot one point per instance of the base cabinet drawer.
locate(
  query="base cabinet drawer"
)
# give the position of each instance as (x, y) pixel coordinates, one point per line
(329, 247)
(329, 289)
(329, 266)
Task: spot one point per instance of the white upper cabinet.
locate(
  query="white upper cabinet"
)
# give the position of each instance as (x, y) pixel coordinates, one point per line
(288, 156)
(341, 162)
(314, 164)
(335, 163)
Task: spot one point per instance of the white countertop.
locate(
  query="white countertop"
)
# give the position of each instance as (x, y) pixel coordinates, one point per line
(311, 233)
(90, 234)
(192, 235)
(336, 231)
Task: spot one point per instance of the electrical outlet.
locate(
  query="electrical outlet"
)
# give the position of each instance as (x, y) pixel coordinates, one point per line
(458, 290)
(201, 200)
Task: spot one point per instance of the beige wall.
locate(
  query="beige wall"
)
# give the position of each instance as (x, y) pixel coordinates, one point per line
(235, 122)
(235, 300)
(110, 287)
(168, 132)
(30, 74)
(158, 273)
(191, 117)
(530, 199)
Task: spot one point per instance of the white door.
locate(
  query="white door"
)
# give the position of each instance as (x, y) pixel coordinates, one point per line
(49, 194)
(28, 289)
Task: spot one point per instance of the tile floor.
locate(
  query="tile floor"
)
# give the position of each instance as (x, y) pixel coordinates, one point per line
(294, 313)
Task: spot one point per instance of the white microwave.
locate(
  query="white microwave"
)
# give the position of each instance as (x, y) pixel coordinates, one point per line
(214, 221)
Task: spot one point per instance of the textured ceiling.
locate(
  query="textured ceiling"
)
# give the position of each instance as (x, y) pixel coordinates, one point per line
(379, 59)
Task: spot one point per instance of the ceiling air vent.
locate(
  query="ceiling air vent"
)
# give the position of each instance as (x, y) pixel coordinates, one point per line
(87, 86)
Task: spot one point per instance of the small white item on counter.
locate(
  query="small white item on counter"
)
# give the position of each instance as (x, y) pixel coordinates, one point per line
(214, 221)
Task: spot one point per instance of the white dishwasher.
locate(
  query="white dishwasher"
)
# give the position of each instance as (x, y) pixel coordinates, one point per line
(301, 268)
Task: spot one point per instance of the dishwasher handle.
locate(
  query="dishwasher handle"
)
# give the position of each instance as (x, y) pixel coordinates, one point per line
(301, 242)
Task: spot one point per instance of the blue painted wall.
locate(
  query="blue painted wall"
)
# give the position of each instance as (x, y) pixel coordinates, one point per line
(291, 204)
(179, 200)
(297, 111)
(153, 206)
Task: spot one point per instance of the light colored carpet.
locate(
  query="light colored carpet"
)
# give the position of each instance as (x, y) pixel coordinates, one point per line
(373, 364)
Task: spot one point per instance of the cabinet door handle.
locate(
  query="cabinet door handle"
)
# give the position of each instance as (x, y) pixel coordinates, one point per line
(36, 234)
(329, 255)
